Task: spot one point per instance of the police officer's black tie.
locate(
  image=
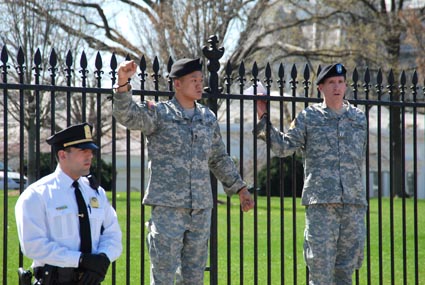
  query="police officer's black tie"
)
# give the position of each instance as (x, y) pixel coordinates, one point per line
(85, 234)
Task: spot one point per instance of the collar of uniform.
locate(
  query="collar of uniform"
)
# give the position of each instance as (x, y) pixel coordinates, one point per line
(328, 114)
(180, 109)
(345, 104)
(63, 178)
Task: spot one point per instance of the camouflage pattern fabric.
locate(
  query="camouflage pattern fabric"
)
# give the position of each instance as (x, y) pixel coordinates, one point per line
(182, 149)
(333, 242)
(166, 229)
(333, 148)
(181, 153)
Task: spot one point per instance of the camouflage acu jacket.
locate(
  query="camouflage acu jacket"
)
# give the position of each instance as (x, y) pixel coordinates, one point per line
(181, 152)
(333, 148)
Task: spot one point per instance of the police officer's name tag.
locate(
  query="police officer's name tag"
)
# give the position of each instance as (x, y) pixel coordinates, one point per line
(94, 203)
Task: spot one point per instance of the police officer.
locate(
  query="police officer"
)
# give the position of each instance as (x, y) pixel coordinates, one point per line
(69, 243)
(184, 144)
(332, 137)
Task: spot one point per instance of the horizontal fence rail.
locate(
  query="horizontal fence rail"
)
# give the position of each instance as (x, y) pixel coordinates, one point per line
(262, 246)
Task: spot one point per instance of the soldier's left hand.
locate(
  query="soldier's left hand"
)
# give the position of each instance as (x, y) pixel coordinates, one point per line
(247, 203)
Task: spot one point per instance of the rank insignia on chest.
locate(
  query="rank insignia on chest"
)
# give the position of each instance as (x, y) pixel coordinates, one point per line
(94, 203)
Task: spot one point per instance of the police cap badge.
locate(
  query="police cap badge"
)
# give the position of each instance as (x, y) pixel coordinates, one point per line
(79, 136)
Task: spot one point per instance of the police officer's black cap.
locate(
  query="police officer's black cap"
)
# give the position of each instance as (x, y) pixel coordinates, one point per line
(79, 136)
(331, 70)
(185, 66)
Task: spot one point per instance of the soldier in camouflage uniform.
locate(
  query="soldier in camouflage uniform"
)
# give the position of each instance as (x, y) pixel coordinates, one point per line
(184, 144)
(332, 137)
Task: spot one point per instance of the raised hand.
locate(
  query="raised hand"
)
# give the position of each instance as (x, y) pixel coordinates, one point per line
(125, 71)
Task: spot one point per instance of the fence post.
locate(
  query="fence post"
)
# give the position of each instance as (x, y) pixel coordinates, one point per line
(213, 54)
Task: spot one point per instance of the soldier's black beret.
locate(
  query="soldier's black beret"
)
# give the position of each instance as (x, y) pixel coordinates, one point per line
(79, 136)
(331, 70)
(185, 66)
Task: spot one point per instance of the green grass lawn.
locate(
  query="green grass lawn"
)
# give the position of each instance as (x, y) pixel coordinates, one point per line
(283, 268)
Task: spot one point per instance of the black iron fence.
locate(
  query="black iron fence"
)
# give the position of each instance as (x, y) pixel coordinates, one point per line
(264, 246)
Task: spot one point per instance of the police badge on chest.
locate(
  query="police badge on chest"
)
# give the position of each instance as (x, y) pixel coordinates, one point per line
(94, 203)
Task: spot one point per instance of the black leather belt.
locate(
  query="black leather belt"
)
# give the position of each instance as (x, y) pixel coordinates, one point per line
(57, 275)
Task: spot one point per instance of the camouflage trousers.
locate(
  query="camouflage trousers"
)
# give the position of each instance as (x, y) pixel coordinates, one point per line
(178, 239)
(334, 238)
